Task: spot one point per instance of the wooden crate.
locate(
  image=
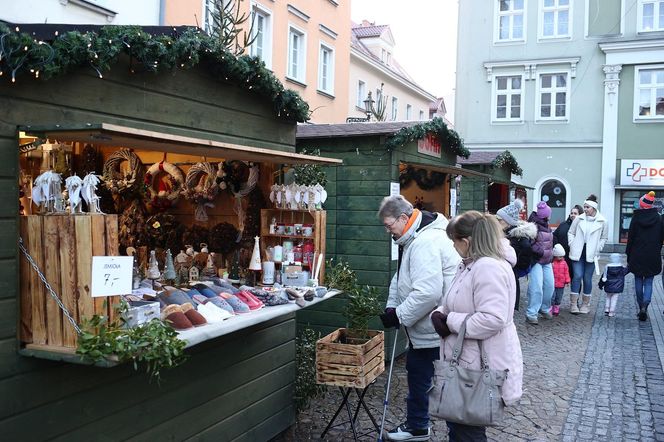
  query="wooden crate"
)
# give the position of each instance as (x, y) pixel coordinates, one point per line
(62, 246)
(349, 365)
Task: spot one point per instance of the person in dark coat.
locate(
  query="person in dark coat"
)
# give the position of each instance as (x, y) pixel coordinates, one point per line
(521, 235)
(613, 283)
(560, 235)
(644, 249)
(540, 278)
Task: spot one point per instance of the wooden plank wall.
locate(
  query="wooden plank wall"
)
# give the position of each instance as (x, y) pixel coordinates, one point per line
(229, 388)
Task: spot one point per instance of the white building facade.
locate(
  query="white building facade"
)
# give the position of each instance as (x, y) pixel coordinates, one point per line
(567, 86)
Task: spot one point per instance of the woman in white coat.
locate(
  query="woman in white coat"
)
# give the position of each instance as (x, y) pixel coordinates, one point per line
(587, 236)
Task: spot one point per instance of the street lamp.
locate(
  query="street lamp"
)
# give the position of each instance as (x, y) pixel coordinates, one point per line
(368, 109)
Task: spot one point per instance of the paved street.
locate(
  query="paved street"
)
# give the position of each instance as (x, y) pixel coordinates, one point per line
(586, 377)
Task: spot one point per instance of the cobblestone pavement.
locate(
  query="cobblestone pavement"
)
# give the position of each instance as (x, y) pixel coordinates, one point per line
(586, 377)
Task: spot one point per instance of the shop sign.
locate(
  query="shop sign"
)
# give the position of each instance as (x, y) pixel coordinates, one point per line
(429, 145)
(111, 275)
(643, 173)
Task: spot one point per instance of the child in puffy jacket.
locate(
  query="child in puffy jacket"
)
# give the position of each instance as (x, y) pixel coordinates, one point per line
(613, 282)
(560, 277)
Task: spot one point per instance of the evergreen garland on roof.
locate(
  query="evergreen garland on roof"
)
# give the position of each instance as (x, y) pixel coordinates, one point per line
(20, 54)
(507, 159)
(449, 138)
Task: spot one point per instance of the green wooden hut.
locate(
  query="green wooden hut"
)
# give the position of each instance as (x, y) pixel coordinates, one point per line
(235, 387)
(376, 156)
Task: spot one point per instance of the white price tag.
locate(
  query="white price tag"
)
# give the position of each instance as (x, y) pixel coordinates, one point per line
(111, 275)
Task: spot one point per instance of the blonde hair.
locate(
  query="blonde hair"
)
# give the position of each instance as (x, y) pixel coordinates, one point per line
(482, 231)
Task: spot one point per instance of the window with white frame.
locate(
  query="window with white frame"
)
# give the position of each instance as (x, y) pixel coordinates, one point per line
(261, 46)
(421, 115)
(510, 24)
(297, 41)
(649, 93)
(361, 93)
(508, 98)
(553, 96)
(326, 69)
(555, 18)
(395, 108)
(409, 112)
(651, 15)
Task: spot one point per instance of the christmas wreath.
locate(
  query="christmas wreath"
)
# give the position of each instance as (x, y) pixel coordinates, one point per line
(238, 176)
(115, 180)
(167, 194)
(223, 238)
(132, 226)
(200, 187)
(424, 179)
(164, 231)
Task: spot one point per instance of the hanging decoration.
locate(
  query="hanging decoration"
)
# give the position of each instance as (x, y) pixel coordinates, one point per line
(425, 180)
(223, 238)
(89, 192)
(113, 177)
(168, 192)
(74, 184)
(231, 176)
(165, 231)
(21, 54)
(449, 138)
(132, 226)
(506, 159)
(201, 188)
(47, 192)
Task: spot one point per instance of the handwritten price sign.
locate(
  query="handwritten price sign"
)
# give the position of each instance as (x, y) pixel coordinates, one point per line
(111, 275)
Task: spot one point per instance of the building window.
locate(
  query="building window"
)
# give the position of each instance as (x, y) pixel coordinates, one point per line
(261, 46)
(395, 108)
(649, 93)
(554, 193)
(421, 115)
(326, 69)
(651, 15)
(508, 94)
(509, 20)
(409, 112)
(361, 93)
(297, 49)
(555, 18)
(552, 97)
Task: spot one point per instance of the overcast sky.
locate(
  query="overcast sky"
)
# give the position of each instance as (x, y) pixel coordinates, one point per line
(425, 33)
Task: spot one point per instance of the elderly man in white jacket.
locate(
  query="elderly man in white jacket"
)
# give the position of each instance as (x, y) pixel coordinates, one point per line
(427, 265)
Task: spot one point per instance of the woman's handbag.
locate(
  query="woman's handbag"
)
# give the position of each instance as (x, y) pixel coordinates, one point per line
(466, 396)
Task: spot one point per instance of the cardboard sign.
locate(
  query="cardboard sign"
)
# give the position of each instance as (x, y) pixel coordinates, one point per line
(111, 275)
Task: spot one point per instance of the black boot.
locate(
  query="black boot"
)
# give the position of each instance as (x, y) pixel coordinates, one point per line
(643, 313)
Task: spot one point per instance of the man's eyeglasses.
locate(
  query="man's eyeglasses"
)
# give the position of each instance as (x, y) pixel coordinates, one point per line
(389, 226)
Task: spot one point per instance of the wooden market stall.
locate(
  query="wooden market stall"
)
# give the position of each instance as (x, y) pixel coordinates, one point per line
(237, 383)
(380, 159)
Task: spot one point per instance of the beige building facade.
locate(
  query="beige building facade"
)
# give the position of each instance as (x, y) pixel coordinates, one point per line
(306, 43)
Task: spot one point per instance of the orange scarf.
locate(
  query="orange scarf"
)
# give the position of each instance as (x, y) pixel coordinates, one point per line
(411, 220)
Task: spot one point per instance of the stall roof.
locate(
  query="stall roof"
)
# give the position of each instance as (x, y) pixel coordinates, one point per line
(478, 157)
(351, 129)
(115, 135)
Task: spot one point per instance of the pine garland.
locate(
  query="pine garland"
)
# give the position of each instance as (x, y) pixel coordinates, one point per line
(507, 159)
(426, 180)
(21, 54)
(449, 138)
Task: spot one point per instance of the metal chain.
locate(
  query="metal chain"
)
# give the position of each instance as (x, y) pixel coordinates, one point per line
(48, 286)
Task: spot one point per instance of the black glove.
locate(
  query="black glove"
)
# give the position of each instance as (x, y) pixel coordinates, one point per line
(601, 284)
(389, 318)
(439, 321)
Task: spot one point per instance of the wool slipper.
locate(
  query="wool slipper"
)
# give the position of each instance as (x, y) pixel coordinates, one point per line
(194, 317)
(212, 313)
(216, 301)
(238, 306)
(174, 296)
(173, 315)
(252, 302)
(205, 290)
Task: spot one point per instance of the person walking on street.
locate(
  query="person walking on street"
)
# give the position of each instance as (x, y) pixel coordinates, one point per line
(644, 250)
(427, 264)
(560, 235)
(560, 277)
(586, 237)
(540, 278)
(521, 235)
(483, 291)
(613, 283)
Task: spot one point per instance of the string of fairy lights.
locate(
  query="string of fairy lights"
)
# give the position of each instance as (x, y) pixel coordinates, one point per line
(448, 138)
(23, 55)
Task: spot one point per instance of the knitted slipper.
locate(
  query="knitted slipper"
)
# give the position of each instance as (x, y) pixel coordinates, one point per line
(212, 313)
(216, 301)
(194, 317)
(174, 296)
(239, 307)
(173, 315)
(252, 302)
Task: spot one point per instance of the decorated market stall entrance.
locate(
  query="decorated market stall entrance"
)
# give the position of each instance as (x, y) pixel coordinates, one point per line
(217, 120)
(417, 160)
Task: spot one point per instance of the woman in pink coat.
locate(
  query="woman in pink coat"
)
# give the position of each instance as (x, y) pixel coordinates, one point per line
(484, 288)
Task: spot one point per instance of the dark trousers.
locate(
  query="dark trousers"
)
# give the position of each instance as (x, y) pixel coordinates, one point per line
(466, 433)
(419, 365)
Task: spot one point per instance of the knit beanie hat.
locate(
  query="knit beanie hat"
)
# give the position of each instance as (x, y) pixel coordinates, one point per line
(558, 250)
(510, 213)
(647, 200)
(543, 210)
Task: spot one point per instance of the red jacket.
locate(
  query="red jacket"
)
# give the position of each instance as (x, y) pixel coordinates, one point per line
(560, 273)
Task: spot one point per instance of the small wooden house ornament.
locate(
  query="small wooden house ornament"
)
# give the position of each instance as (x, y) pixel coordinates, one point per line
(193, 273)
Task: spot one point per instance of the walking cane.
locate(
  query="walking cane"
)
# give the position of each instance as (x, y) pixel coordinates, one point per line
(386, 402)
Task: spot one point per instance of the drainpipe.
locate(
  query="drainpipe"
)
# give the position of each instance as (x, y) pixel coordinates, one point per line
(162, 12)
